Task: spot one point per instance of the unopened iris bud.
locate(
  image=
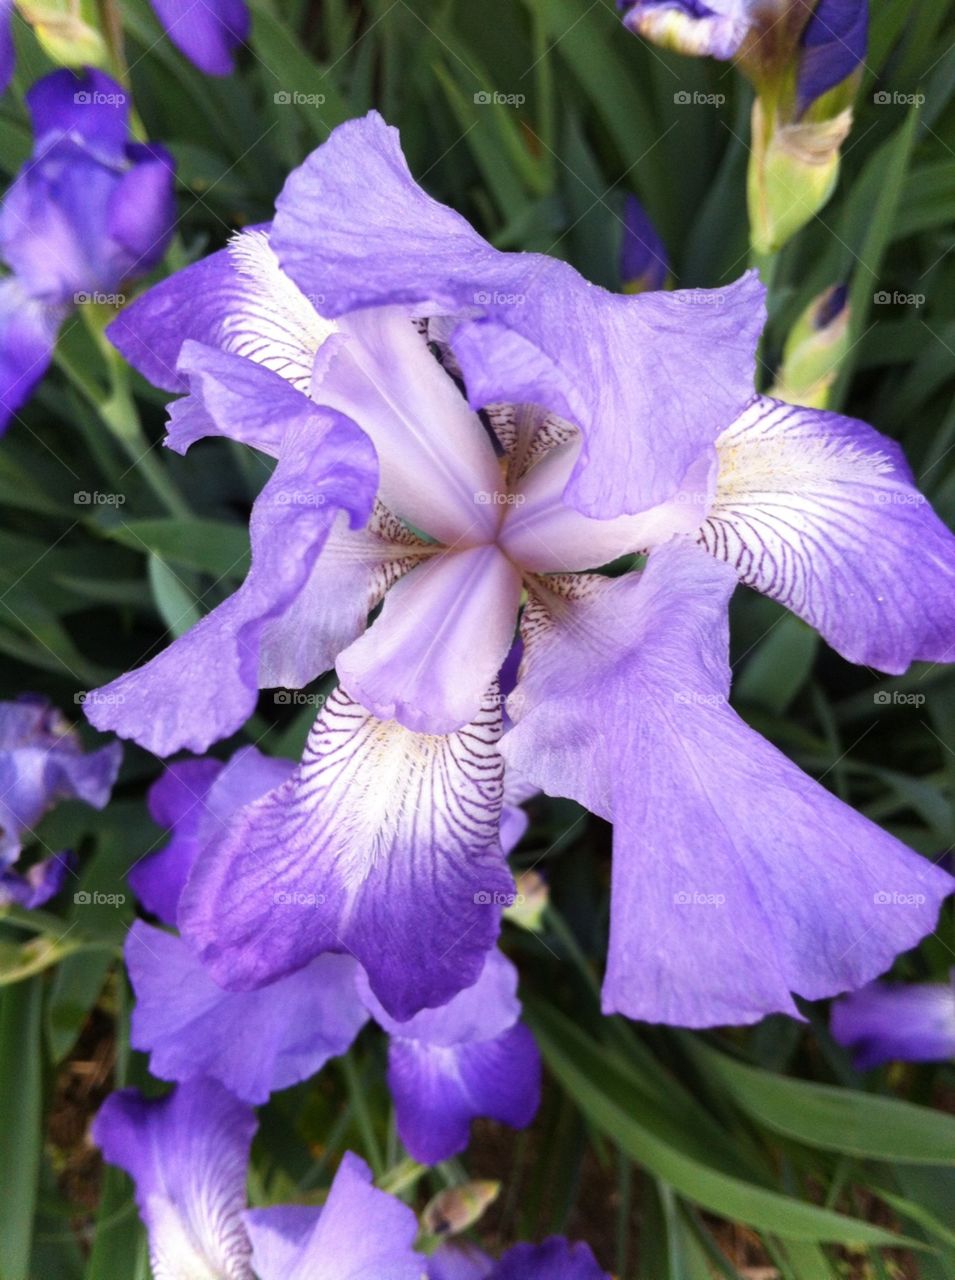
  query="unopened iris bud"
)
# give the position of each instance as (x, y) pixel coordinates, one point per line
(644, 265)
(530, 901)
(67, 31)
(717, 27)
(458, 1208)
(814, 351)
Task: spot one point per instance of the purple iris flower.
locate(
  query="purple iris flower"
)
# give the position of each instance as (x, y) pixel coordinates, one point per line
(555, 1259)
(828, 46)
(886, 1022)
(613, 425)
(187, 1154)
(89, 210)
(206, 31)
(41, 763)
(447, 1066)
(644, 264)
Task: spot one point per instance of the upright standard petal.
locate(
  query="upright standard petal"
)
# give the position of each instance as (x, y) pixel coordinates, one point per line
(650, 381)
(360, 1234)
(819, 511)
(443, 632)
(86, 104)
(204, 685)
(207, 31)
(886, 1022)
(253, 1042)
(187, 1154)
(384, 844)
(737, 880)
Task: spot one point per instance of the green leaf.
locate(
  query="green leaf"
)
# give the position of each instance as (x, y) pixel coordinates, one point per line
(835, 1119)
(175, 603)
(21, 1065)
(211, 546)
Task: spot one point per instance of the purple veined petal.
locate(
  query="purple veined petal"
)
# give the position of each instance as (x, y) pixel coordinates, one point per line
(347, 581)
(361, 1233)
(196, 798)
(208, 32)
(737, 880)
(187, 1154)
(886, 1022)
(8, 52)
(438, 469)
(644, 263)
(697, 27)
(555, 1259)
(459, 1261)
(353, 224)
(253, 1042)
(820, 512)
(38, 884)
(541, 532)
(236, 300)
(141, 215)
(444, 630)
(384, 844)
(438, 1090)
(480, 1012)
(833, 44)
(204, 685)
(87, 105)
(28, 330)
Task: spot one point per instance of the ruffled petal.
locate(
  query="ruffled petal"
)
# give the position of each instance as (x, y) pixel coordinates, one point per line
(885, 1023)
(28, 332)
(384, 843)
(237, 300)
(736, 879)
(253, 1042)
(438, 1091)
(439, 642)
(208, 32)
(555, 1259)
(187, 1154)
(204, 685)
(141, 215)
(820, 512)
(650, 381)
(360, 1234)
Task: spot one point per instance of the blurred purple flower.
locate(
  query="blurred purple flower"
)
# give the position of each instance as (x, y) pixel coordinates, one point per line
(42, 762)
(632, 428)
(555, 1259)
(89, 210)
(886, 1022)
(187, 1154)
(206, 31)
(644, 264)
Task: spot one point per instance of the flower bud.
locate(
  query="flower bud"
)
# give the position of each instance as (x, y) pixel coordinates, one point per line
(458, 1208)
(67, 31)
(530, 901)
(644, 265)
(814, 350)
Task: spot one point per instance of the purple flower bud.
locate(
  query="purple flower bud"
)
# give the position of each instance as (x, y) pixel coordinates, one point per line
(644, 264)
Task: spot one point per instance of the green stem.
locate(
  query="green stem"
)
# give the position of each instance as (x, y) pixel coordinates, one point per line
(359, 1105)
(402, 1177)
